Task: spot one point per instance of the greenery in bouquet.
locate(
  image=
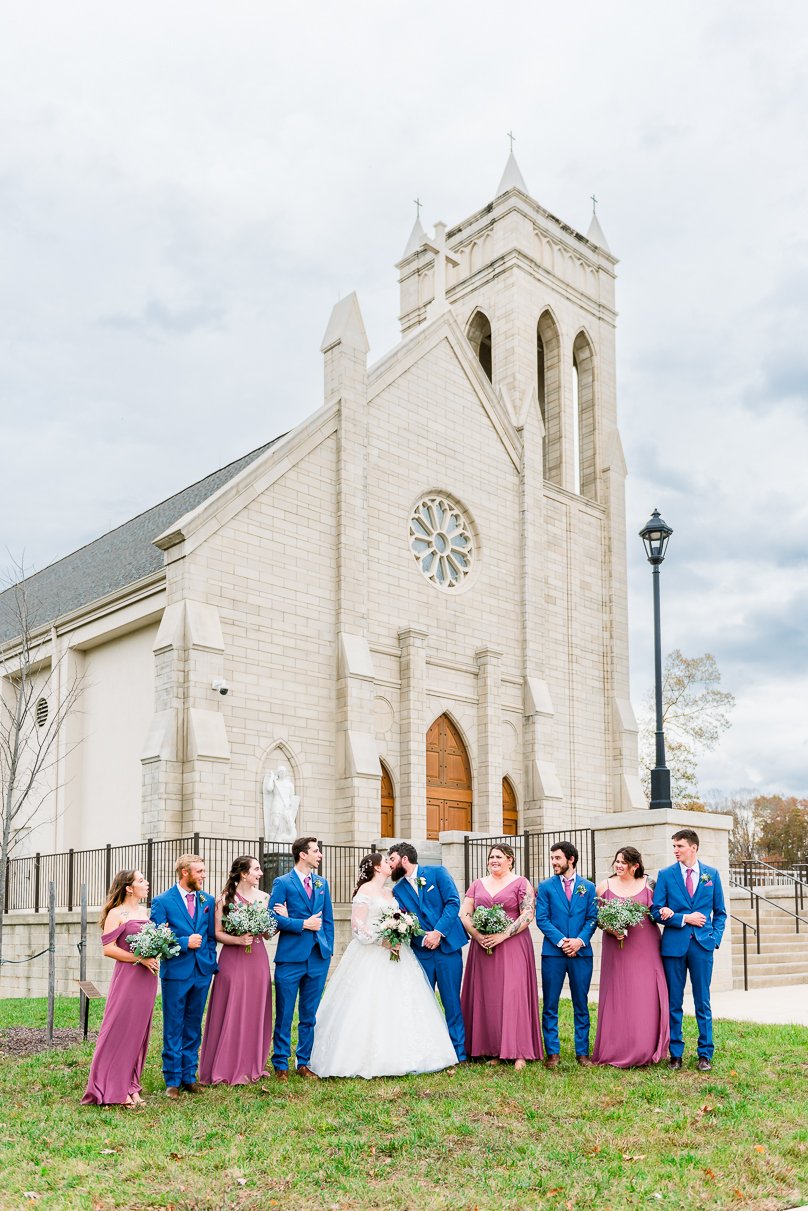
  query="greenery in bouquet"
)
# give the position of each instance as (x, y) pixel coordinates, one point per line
(490, 921)
(619, 916)
(255, 919)
(154, 942)
(397, 928)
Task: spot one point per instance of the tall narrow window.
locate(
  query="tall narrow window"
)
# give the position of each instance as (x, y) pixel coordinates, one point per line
(576, 428)
(585, 417)
(548, 390)
(479, 335)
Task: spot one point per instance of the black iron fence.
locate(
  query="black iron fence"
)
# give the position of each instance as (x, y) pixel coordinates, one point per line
(756, 873)
(531, 852)
(27, 879)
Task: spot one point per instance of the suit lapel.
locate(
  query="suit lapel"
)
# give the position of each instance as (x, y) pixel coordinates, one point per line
(559, 890)
(183, 904)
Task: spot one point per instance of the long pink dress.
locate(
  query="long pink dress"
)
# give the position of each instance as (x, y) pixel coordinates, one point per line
(500, 999)
(123, 1040)
(633, 1027)
(238, 1028)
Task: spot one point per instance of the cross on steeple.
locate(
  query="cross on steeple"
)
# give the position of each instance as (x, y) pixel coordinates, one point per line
(594, 203)
(418, 204)
(512, 138)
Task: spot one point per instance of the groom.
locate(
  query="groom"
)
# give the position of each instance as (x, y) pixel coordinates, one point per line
(186, 978)
(305, 947)
(689, 901)
(430, 893)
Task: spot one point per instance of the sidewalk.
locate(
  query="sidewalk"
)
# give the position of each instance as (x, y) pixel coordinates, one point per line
(773, 1006)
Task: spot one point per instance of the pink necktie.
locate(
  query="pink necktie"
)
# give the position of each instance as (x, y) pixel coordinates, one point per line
(568, 887)
(689, 881)
(307, 885)
(190, 900)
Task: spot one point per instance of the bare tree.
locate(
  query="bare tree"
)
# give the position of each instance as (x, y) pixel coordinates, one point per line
(742, 806)
(37, 694)
(695, 714)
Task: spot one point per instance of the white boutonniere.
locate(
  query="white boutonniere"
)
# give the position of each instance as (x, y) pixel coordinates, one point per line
(580, 890)
(421, 881)
(706, 881)
(318, 883)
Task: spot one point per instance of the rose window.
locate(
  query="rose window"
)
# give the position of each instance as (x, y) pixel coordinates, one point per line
(441, 541)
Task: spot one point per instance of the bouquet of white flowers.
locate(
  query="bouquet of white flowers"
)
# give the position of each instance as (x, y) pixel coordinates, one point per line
(620, 916)
(256, 919)
(397, 928)
(488, 921)
(154, 942)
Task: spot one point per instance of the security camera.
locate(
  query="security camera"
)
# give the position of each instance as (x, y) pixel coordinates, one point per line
(221, 685)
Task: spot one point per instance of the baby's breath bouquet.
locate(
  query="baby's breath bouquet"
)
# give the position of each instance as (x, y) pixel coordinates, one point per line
(489, 921)
(256, 919)
(620, 916)
(397, 928)
(154, 942)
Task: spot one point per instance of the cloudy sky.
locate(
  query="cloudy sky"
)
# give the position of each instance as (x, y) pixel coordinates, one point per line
(186, 189)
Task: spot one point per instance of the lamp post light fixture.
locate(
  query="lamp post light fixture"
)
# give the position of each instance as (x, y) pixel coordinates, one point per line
(655, 535)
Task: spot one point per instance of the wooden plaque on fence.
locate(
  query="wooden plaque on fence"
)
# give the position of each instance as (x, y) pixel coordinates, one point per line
(89, 989)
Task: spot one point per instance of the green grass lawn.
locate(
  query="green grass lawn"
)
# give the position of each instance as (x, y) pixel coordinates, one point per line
(588, 1140)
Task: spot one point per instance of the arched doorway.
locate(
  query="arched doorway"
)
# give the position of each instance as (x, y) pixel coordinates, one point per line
(510, 809)
(388, 805)
(448, 780)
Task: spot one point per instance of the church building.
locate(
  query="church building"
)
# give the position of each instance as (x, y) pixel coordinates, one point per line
(415, 601)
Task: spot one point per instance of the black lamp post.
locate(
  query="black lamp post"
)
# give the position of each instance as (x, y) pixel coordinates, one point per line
(655, 534)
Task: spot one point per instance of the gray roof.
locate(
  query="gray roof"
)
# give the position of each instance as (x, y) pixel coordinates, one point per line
(117, 559)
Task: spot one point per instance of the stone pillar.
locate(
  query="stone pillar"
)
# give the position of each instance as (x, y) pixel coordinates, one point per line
(358, 774)
(488, 791)
(161, 756)
(413, 714)
(650, 832)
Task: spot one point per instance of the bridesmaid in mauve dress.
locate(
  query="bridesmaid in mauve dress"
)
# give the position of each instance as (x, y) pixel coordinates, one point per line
(238, 1028)
(499, 999)
(633, 1027)
(123, 1040)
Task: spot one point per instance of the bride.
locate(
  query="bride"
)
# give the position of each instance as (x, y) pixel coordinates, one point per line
(377, 1017)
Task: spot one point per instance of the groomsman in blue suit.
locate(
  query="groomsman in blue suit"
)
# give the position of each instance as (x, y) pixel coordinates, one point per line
(566, 913)
(186, 978)
(430, 893)
(689, 901)
(305, 947)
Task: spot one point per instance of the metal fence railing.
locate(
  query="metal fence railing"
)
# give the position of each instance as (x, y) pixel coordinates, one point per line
(27, 878)
(757, 873)
(531, 853)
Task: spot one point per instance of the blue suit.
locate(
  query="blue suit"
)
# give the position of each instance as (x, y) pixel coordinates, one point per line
(301, 964)
(437, 906)
(688, 948)
(185, 981)
(558, 918)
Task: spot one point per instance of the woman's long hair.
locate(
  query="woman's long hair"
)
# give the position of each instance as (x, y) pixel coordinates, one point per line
(116, 894)
(241, 866)
(367, 869)
(631, 857)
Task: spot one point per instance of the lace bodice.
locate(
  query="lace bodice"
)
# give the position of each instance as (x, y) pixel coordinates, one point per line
(365, 914)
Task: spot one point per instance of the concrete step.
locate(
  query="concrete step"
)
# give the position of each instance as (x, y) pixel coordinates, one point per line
(770, 945)
(769, 981)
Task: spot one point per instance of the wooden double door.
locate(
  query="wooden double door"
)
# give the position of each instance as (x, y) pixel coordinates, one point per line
(448, 780)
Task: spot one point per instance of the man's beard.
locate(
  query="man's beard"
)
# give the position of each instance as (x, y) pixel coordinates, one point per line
(398, 873)
(194, 882)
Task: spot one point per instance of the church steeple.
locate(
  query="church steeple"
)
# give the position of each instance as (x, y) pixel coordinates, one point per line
(595, 232)
(512, 177)
(417, 235)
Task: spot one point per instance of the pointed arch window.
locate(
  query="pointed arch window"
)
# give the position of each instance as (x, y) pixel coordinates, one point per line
(548, 388)
(584, 418)
(387, 823)
(479, 335)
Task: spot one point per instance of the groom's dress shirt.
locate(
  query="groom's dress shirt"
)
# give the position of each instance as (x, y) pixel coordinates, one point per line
(695, 869)
(303, 878)
(185, 894)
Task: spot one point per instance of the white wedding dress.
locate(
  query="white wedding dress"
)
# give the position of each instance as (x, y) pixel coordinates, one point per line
(378, 1017)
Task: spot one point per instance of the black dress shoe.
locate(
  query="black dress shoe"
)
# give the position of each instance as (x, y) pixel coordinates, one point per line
(192, 1087)
(704, 1065)
(675, 1061)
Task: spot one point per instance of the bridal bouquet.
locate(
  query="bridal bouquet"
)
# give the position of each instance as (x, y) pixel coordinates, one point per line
(620, 916)
(154, 942)
(397, 928)
(489, 921)
(256, 919)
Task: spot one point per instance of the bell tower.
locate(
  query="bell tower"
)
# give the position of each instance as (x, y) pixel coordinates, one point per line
(536, 301)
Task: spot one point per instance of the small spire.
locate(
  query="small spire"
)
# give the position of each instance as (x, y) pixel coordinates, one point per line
(417, 235)
(595, 233)
(511, 177)
(346, 326)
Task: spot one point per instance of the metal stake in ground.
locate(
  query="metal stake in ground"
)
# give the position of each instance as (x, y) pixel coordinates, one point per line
(51, 959)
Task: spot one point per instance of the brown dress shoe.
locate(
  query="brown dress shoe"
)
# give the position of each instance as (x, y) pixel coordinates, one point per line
(304, 1070)
(192, 1087)
(552, 1061)
(585, 1061)
(704, 1065)
(281, 1074)
(675, 1061)
(173, 1092)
